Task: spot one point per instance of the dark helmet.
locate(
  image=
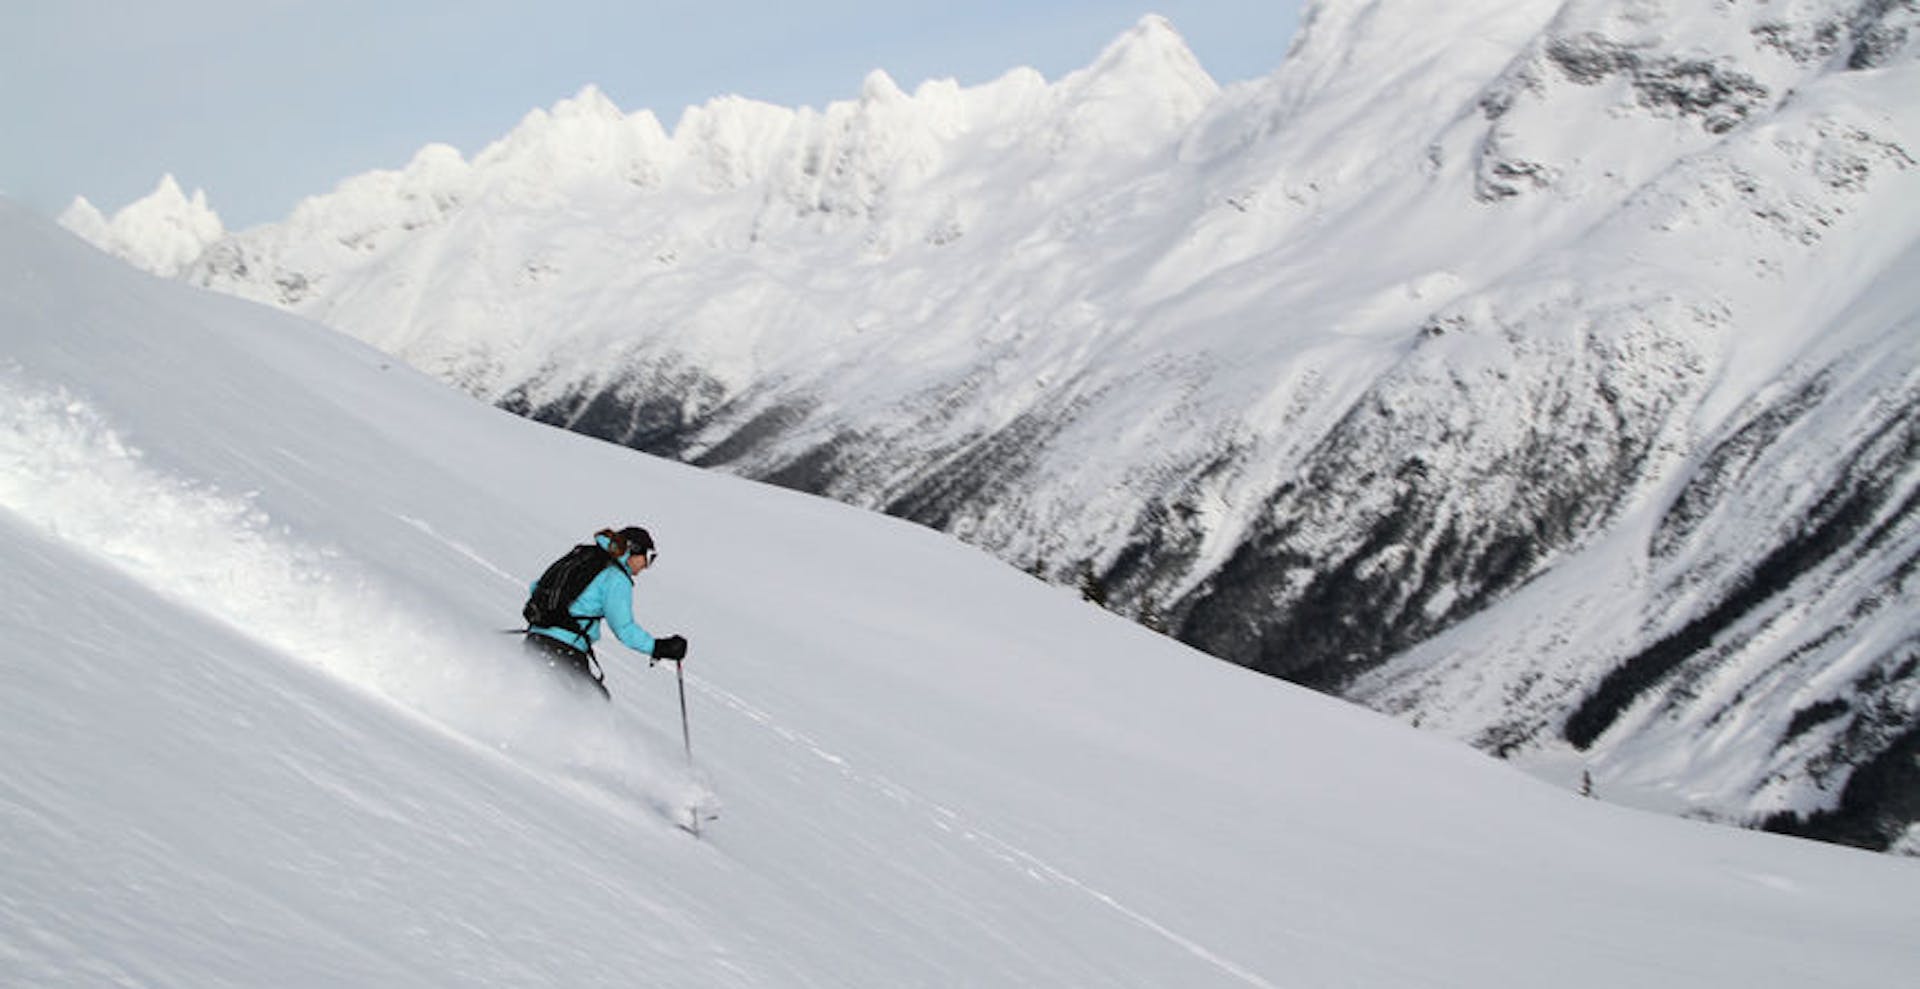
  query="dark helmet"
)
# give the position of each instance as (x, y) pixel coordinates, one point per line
(634, 539)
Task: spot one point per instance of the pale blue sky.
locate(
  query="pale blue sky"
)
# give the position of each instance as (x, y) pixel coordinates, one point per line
(262, 102)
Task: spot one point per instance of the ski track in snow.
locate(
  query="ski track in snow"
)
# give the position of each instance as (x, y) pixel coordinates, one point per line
(463, 549)
(952, 822)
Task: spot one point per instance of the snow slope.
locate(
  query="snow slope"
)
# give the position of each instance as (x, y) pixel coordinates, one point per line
(255, 730)
(1375, 375)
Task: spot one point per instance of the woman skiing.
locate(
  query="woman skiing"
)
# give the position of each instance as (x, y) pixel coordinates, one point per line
(593, 582)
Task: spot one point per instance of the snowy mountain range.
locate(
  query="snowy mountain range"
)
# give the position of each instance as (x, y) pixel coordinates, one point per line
(1546, 373)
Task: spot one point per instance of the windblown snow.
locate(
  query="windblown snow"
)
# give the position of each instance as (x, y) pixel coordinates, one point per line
(1543, 372)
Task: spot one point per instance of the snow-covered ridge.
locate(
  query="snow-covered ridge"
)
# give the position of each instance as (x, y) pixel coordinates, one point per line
(1326, 373)
(852, 160)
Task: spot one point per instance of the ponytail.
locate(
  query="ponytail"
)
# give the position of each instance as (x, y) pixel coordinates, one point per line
(629, 540)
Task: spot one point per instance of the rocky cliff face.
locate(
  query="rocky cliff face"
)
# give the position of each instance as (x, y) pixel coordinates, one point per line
(1541, 372)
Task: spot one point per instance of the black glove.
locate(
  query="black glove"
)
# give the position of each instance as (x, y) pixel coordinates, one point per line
(671, 647)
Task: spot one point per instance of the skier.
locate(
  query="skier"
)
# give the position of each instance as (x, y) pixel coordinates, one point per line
(592, 582)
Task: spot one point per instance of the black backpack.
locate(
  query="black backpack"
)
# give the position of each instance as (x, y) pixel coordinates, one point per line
(562, 582)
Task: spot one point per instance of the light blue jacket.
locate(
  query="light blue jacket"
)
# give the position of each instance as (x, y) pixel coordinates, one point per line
(610, 596)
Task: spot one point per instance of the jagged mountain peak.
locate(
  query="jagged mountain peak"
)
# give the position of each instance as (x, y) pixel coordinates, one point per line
(879, 87)
(591, 103)
(84, 218)
(1145, 87)
(583, 137)
(1151, 50)
(162, 232)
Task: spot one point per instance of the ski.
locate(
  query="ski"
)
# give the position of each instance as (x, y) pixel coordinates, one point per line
(696, 817)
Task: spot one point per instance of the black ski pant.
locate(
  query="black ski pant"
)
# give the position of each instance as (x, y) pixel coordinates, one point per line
(559, 655)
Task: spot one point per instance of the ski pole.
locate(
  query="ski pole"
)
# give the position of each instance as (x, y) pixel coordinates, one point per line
(686, 737)
(686, 733)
